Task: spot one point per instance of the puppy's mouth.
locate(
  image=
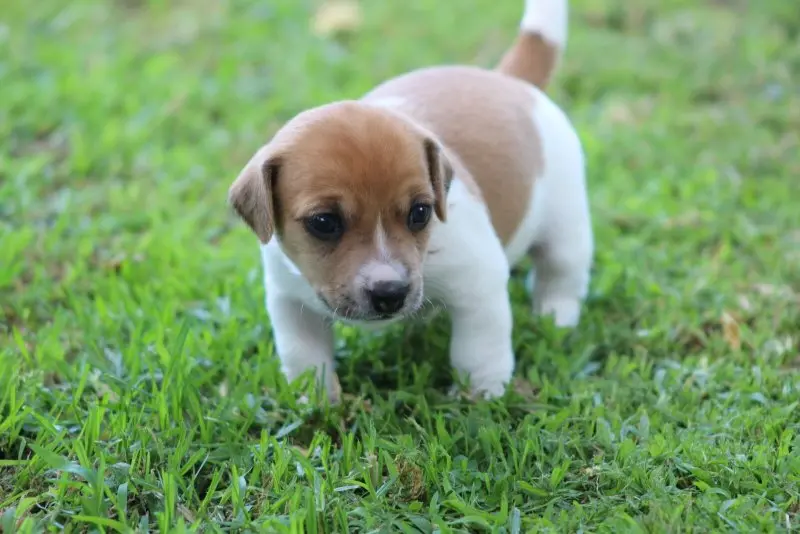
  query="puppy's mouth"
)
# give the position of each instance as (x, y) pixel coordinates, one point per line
(348, 309)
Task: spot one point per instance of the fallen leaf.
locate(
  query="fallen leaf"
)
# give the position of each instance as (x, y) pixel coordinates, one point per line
(524, 389)
(187, 514)
(689, 219)
(591, 471)
(730, 331)
(412, 480)
(620, 113)
(337, 16)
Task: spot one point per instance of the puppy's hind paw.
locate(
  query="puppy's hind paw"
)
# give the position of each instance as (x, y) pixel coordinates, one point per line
(566, 312)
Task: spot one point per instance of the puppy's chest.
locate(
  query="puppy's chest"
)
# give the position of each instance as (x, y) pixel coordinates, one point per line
(283, 277)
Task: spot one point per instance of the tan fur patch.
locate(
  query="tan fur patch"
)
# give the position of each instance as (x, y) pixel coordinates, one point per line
(530, 58)
(484, 119)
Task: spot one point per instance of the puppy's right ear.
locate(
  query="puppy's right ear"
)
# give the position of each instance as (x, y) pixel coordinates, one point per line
(251, 194)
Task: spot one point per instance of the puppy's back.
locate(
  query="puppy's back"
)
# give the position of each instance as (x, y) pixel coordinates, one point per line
(485, 119)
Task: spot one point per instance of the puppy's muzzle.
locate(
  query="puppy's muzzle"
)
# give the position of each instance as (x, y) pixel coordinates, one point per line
(388, 297)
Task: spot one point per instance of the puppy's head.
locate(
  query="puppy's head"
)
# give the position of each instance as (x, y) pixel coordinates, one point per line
(351, 193)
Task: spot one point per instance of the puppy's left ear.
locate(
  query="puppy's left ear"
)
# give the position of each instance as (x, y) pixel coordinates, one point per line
(441, 175)
(252, 193)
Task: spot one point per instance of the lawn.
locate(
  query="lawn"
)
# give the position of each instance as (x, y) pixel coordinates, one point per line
(138, 385)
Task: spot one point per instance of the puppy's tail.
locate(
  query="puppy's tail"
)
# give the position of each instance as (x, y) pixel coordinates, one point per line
(542, 37)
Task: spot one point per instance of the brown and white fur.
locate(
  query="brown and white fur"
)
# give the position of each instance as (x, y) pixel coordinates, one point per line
(427, 190)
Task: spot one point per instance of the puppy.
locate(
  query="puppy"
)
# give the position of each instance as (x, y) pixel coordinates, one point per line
(425, 192)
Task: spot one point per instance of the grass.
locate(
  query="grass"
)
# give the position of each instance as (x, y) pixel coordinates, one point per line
(139, 389)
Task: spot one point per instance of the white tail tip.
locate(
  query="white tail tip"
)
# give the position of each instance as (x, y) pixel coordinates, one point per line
(548, 18)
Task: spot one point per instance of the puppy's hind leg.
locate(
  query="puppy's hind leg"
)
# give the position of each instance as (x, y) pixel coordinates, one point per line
(562, 261)
(561, 279)
(563, 252)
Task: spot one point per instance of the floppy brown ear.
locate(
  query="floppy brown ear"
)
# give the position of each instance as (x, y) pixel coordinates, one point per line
(441, 175)
(251, 194)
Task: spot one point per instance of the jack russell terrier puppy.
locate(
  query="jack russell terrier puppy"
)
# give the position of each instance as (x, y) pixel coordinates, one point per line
(425, 191)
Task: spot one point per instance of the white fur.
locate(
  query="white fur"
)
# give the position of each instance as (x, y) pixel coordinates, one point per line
(548, 18)
(531, 226)
(380, 239)
(557, 228)
(303, 337)
(388, 102)
(383, 267)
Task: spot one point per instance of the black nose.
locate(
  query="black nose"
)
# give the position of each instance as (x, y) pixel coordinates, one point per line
(388, 297)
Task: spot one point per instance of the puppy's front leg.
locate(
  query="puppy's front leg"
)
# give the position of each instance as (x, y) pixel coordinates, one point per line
(481, 347)
(303, 341)
(469, 274)
(477, 298)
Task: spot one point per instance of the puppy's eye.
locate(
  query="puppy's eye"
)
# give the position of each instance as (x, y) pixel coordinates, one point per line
(418, 217)
(325, 226)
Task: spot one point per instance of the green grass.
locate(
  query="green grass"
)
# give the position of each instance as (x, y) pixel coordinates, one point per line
(138, 386)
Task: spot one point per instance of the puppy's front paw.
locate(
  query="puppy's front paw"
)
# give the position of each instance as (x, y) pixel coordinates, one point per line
(490, 387)
(482, 392)
(488, 381)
